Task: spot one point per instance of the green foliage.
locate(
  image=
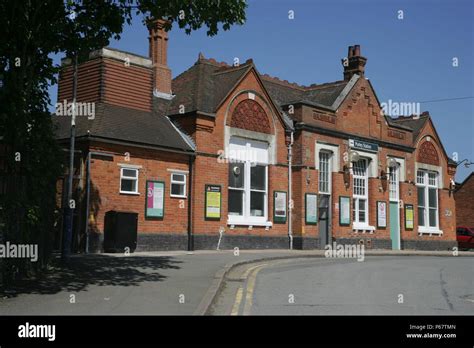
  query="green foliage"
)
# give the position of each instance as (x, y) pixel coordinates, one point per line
(30, 33)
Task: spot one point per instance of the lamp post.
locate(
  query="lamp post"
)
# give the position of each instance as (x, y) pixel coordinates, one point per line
(70, 204)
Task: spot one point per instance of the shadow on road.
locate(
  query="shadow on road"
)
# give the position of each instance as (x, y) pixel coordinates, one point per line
(101, 270)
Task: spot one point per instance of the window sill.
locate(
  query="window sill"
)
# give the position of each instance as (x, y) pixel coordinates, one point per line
(176, 196)
(429, 231)
(130, 193)
(362, 228)
(249, 223)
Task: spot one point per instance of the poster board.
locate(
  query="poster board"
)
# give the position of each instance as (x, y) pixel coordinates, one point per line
(344, 211)
(409, 217)
(311, 208)
(381, 214)
(279, 207)
(213, 202)
(155, 199)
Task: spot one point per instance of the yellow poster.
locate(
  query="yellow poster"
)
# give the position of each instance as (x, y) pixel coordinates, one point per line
(409, 217)
(213, 202)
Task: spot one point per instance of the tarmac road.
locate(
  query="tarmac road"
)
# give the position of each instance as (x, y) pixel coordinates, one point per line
(388, 285)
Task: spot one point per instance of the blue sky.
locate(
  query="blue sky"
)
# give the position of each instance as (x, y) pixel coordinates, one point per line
(409, 59)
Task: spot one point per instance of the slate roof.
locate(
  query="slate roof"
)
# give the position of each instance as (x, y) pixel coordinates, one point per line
(285, 93)
(126, 124)
(415, 124)
(204, 86)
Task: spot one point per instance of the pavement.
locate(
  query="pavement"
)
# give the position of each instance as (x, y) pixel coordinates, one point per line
(176, 283)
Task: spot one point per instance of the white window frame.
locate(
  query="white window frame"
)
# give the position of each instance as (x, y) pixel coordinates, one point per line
(177, 182)
(357, 196)
(246, 218)
(136, 192)
(425, 183)
(328, 172)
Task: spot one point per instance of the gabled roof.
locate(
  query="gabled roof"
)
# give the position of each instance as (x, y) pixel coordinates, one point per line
(285, 93)
(203, 86)
(416, 124)
(125, 124)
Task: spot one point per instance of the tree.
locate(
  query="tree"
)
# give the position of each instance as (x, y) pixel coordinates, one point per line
(30, 33)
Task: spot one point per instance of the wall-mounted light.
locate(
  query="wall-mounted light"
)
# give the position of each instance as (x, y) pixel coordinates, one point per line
(353, 157)
(392, 163)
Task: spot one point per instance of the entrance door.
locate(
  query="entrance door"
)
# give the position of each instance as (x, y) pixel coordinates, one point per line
(394, 190)
(324, 209)
(323, 219)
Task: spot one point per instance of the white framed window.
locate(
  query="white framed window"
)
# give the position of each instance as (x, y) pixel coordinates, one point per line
(248, 182)
(129, 180)
(178, 185)
(324, 172)
(360, 211)
(427, 189)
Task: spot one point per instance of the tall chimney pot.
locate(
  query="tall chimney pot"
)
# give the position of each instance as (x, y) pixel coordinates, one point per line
(158, 52)
(355, 63)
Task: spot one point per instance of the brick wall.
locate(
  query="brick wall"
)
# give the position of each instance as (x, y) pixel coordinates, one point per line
(464, 203)
(209, 137)
(105, 195)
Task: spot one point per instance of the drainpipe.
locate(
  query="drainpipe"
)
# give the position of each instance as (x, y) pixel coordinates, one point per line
(290, 200)
(190, 191)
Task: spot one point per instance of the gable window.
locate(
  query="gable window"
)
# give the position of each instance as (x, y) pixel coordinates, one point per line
(427, 188)
(128, 180)
(324, 172)
(360, 211)
(178, 185)
(248, 182)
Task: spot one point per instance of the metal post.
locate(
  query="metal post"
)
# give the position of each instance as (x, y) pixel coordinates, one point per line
(290, 200)
(68, 211)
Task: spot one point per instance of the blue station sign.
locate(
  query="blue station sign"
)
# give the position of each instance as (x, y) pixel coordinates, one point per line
(363, 145)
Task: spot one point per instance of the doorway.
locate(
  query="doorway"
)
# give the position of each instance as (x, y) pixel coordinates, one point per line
(394, 193)
(324, 220)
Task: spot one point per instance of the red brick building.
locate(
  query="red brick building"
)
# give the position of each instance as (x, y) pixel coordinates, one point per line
(464, 196)
(251, 160)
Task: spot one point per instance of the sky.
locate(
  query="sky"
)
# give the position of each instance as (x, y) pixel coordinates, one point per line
(410, 59)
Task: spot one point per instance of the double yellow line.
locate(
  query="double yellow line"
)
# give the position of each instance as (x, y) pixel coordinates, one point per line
(251, 276)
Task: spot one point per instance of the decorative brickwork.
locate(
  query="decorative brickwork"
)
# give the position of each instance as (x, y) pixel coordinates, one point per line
(428, 154)
(249, 115)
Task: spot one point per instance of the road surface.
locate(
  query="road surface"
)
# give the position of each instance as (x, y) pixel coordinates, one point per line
(387, 285)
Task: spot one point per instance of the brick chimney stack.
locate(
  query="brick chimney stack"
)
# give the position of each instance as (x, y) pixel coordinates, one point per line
(158, 52)
(354, 63)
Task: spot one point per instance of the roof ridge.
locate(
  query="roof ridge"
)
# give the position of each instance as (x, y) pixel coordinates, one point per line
(212, 61)
(282, 82)
(314, 86)
(232, 68)
(301, 87)
(402, 118)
